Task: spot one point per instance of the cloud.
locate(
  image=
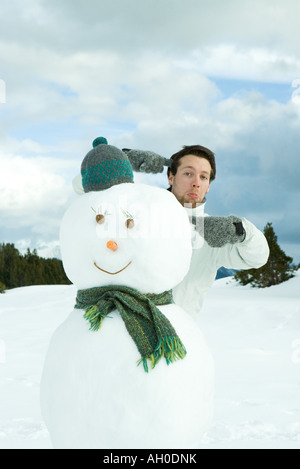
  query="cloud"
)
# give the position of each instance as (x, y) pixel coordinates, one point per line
(33, 193)
(244, 63)
(209, 29)
(111, 63)
(146, 75)
(166, 24)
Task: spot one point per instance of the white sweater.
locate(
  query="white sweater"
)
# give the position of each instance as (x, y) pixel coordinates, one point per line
(253, 252)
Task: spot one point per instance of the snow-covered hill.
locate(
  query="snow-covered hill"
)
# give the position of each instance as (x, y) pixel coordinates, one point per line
(254, 335)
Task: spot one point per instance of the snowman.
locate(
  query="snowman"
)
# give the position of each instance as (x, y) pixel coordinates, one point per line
(128, 368)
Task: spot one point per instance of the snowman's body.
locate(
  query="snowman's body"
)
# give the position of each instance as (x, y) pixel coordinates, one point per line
(93, 394)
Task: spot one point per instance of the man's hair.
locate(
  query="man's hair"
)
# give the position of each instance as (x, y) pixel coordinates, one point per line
(196, 150)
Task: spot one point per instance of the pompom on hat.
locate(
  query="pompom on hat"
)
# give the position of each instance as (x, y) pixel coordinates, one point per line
(105, 166)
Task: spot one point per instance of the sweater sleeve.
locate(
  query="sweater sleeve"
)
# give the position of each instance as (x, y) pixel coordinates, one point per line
(251, 253)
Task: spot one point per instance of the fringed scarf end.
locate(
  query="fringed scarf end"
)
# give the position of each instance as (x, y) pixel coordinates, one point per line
(171, 348)
(93, 315)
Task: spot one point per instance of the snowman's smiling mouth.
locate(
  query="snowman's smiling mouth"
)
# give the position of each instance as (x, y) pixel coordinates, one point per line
(112, 273)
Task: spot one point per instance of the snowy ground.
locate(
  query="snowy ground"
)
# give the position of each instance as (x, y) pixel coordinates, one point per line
(254, 336)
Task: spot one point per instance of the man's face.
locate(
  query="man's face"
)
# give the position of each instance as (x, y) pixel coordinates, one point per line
(191, 182)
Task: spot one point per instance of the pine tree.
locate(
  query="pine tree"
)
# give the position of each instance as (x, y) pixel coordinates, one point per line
(11, 266)
(278, 269)
(2, 287)
(2, 269)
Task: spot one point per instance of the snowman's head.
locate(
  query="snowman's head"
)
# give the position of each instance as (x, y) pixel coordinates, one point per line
(130, 234)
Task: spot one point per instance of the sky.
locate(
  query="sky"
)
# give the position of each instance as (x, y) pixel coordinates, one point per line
(153, 75)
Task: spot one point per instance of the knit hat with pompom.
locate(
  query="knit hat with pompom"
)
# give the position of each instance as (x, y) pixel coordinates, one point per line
(105, 166)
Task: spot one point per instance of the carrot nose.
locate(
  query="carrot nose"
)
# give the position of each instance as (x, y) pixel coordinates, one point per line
(112, 245)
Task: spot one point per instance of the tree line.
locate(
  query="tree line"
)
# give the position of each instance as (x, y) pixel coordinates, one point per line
(19, 270)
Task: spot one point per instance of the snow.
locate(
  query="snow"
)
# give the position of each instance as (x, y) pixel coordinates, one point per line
(254, 336)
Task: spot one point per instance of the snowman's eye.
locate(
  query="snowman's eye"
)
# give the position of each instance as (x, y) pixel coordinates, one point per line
(129, 223)
(100, 219)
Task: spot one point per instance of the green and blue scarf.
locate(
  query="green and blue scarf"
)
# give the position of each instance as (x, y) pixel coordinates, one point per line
(151, 331)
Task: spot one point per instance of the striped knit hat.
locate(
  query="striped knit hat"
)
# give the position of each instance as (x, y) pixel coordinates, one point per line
(105, 166)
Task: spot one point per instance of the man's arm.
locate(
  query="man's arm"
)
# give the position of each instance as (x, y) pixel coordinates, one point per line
(236, 243)
(143, 161)
(252, 253)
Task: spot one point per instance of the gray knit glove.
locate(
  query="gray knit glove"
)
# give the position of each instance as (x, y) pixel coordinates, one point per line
(218, 231)
(146, 161)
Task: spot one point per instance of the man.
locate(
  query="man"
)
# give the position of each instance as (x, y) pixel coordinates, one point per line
(228, 242)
